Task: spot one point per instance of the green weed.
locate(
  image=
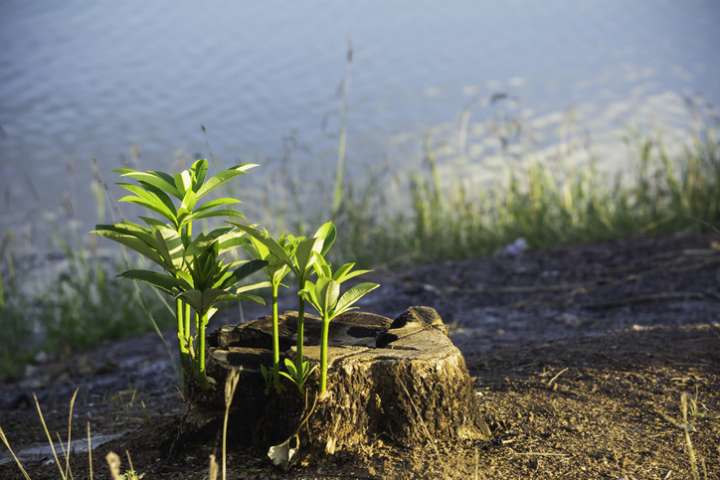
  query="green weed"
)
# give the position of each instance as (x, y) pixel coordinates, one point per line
(548, 209)
(194, 273)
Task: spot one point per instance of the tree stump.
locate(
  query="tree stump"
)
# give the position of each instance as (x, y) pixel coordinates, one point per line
(401, 380)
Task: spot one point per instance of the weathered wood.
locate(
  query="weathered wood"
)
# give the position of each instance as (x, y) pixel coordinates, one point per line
(401, 380)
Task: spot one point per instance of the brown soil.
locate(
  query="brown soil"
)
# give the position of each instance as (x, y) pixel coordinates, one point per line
(580, 355)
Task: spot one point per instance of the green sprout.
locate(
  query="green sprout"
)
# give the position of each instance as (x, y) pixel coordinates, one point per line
(300, 259)
(165, 240)
(324, 296)
(276, 271)
(209, 282)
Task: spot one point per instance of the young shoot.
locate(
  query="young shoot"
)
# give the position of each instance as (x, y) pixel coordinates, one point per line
(174, 200)
(276, 271)
(300, 260)
(324, 296)
(207, 282)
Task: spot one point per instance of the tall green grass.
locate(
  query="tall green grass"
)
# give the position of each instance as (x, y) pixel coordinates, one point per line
(77, 308)
(655, 194)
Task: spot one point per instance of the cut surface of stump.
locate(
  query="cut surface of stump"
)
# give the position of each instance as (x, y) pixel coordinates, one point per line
(400, 380)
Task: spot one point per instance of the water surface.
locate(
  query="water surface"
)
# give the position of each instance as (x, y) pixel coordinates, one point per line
(97, 80)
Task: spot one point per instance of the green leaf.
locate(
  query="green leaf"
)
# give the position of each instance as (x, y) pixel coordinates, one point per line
(189, 199)
(217, 202)
(215, 181)
(252, 298)
(199, 170)
(253, 286)
(350, 297)
(321, 266)
(149, 200)
(310, 295)
(350, 275)
(130, 240)
(248, 269)
(263, 237)
(152, 194)
(185, 276)
(332, 291)
(344, 269)
(153, 222)
(188, 214)
(193, 298)
(202, 300)
(164, 282)
(183, 181)
(163, 250)
(197, 215)
(231, 240)
(148, 204)
(290, 366)
(260, 250)
(160, 180)
(279, 272)
(327, 233)
(304, 254)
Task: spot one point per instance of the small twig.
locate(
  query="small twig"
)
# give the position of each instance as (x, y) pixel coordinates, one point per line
(670, 420)
(557, 375)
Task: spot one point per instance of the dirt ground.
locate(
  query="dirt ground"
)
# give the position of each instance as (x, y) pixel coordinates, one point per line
(581, 357)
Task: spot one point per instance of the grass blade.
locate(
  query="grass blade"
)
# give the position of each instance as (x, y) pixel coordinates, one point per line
(19, 464)
(49, 437)
(69, 434)
(89, 447)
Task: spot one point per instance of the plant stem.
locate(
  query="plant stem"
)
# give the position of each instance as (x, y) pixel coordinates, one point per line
(202, 323)
(186, 306)
(187, 317)
(224, 444)
(179, 313)
(300, 334)
(324, 355)
(276, 328)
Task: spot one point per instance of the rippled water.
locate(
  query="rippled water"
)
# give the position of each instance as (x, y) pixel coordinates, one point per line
(84, 80)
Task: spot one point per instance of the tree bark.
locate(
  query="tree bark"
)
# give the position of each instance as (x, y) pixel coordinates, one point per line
(401, 380)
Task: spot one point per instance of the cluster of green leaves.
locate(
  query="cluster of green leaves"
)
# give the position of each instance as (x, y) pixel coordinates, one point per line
(194, 272)
(316, 285)
(298, 254)
(324, 296)
(201, 279)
